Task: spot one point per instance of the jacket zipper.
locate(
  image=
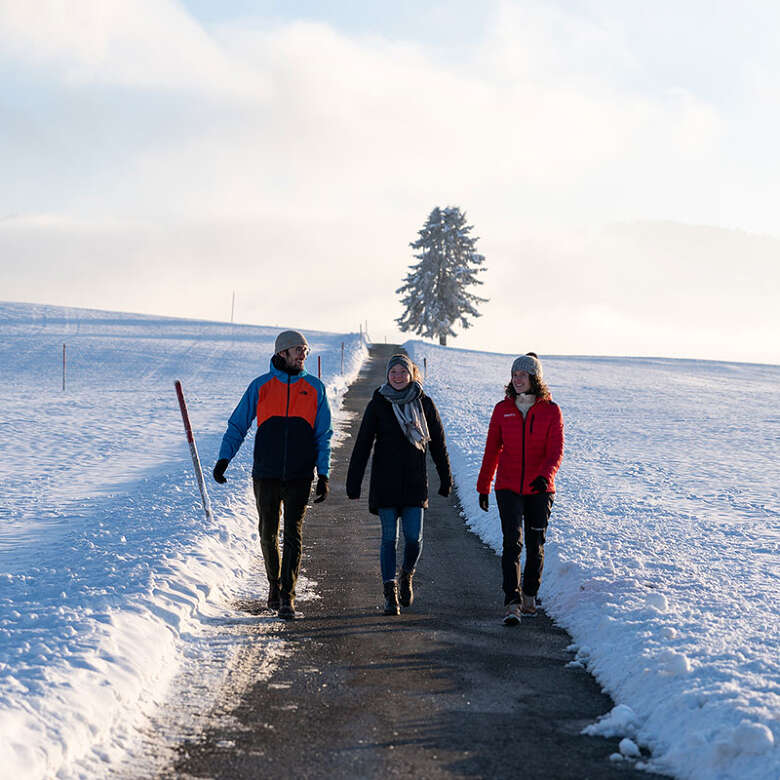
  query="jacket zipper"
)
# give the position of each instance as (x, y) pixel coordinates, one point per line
(286, 431)
(522, 468)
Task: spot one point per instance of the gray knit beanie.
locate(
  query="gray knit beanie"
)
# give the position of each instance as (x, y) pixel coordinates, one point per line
(288, 339)
(400, 360)
(528, 363)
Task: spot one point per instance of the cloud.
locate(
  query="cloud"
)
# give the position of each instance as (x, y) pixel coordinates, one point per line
(151, 44)
(294, 162)
(299, 117)
(191, 269)
(645, 288)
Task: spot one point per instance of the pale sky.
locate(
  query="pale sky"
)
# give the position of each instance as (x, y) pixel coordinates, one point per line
(617, 159)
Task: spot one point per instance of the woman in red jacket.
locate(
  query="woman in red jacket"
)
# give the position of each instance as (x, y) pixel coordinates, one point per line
(525, 441)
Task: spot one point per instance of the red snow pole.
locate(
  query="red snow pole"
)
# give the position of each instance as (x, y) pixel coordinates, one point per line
(193, 451)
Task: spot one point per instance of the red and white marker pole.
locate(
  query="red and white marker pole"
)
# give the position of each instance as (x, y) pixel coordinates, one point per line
(193, 451)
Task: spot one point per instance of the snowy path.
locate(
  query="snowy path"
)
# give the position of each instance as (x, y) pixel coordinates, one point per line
(445, 690)
(663, 550)
(109, 577)
(661, 560)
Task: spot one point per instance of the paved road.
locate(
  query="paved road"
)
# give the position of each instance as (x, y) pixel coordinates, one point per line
(444, 690)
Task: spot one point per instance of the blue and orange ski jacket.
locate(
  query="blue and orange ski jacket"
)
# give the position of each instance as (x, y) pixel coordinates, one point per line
(293, 426)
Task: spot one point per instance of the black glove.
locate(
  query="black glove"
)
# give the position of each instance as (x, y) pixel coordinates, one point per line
(219, 470)
(322, 489)
(484, 502)
(539, 485)
(444, 490)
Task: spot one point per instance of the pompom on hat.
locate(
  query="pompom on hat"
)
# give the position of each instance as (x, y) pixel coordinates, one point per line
(288, 339)
(528, 363)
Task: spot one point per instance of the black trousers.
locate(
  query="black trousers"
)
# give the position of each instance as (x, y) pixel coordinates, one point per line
(523, 516)
(270, 495)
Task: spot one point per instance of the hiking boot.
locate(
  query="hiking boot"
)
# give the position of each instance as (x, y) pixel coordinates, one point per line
(274, 596)
(528, 606)
(287, 608)
(406, 593)
(391, 598)
(512, 614)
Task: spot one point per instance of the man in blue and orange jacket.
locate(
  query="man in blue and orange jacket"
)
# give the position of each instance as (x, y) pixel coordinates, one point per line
(293, 436)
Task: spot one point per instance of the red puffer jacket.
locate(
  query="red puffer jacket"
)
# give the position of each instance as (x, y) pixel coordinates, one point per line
(523, 449)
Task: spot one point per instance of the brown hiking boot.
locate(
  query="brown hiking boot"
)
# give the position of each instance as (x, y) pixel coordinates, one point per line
(287, 607)
(406, 593)
(512, 614)
(274, 596)
(391, 598)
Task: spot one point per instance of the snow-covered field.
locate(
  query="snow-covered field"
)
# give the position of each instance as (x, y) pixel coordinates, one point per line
(116, 596)
(112, 584)
(662, 555)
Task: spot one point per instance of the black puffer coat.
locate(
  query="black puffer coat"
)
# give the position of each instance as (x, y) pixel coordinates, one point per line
(398, 473)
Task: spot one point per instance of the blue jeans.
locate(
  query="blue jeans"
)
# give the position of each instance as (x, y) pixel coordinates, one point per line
(412, 523)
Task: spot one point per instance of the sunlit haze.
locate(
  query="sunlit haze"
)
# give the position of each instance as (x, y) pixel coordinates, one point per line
(617, 160)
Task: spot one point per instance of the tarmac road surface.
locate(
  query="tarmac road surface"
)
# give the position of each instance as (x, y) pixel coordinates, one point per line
(444, 690)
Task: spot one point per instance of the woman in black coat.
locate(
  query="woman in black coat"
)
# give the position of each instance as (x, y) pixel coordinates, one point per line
(400, 423)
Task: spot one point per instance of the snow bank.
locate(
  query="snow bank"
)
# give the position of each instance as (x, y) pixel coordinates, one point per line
(109, 575)
(663, 545)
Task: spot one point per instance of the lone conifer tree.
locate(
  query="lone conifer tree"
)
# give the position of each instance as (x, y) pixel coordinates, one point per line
(434, 293)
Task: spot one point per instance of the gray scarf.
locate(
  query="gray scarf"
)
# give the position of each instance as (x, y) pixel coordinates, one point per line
(409, 412)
